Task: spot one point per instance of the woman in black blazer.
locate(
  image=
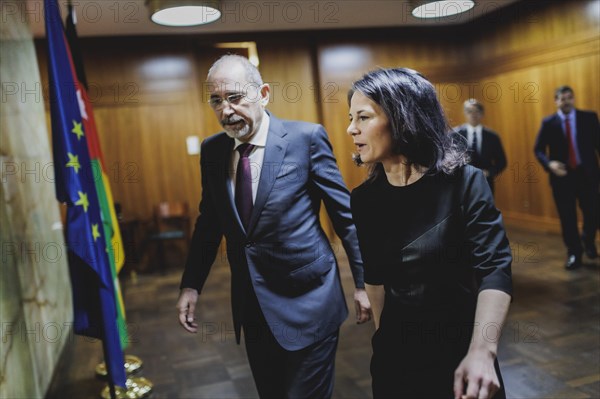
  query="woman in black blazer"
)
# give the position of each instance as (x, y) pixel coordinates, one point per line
(437, 260)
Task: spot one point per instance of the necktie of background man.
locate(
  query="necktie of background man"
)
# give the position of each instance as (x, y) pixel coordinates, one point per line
(474, 149)
(572, 160)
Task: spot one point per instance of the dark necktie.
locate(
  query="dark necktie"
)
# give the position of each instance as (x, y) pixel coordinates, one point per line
(243, 184)
(572, 160)
(474, 149)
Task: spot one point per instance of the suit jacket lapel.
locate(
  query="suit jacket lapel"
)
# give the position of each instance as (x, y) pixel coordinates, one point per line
(227, 194)
(272, 161)
(578, 123)
(558, 124)
(485, 143)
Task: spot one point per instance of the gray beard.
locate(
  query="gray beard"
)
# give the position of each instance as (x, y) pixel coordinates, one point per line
(238, 134)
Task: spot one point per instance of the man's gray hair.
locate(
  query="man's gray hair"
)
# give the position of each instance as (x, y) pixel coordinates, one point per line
(252, 73)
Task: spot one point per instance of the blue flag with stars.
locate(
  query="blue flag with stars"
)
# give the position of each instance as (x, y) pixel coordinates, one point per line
(95, 309)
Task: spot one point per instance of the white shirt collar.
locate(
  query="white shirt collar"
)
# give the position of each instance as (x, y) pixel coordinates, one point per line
(476, 129)
(260, 138)
(571, 114)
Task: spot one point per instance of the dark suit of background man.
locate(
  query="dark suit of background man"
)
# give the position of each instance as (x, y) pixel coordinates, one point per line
(286, 290)
(567, 146)
(485, 146)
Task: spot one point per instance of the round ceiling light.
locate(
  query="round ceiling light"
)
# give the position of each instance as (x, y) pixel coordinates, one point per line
(444, 8)
(184, 13)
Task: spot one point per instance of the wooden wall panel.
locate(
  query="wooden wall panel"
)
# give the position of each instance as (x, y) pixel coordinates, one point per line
(532, 23)
(149, 94)
(151, 163)
(513, 66)
(289, 71)
(143, 128)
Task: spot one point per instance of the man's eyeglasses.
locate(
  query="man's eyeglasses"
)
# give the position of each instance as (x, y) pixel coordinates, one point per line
(233, 99)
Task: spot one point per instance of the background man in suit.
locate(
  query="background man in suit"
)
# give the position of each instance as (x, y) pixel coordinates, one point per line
(485, 146)
(286, 290)
(567, 146)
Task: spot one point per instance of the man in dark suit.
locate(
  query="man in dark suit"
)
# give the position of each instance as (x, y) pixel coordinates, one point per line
(567, 146)
(286, 291)
(485, 146)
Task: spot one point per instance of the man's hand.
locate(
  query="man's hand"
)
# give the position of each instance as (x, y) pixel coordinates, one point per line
(362, 305)
(558, 168)
(186, 304)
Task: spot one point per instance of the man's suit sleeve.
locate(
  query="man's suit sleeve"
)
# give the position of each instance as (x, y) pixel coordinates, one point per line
(499, 157)
(206, 238)
(541, 143)
(326, 178)
(596, 133)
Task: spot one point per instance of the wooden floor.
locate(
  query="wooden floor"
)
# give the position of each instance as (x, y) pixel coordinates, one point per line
(550, 346)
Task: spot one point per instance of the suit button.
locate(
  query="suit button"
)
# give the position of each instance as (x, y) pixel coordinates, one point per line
(250, 244)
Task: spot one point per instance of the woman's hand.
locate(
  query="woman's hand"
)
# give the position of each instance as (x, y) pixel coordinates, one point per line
(362, 306)
(476, 376)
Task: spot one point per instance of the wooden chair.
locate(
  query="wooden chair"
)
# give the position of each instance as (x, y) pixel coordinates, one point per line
(171, 222)
(132, 241)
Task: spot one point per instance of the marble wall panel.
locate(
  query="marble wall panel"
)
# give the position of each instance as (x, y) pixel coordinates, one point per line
(35, 294)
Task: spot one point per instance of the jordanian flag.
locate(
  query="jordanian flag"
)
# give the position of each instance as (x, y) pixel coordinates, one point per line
(110, 224)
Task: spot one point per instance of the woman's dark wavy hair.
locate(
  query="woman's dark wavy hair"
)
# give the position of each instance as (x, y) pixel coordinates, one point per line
(420, 131)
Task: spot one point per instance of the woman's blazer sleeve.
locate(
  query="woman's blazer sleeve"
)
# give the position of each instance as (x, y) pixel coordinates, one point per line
(489, 251)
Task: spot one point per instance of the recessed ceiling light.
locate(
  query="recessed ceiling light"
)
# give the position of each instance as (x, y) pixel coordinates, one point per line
(444, 8)
(183, 13)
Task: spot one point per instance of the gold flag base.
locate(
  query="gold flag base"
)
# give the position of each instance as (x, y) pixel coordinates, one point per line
(132, 365)
(137, 388)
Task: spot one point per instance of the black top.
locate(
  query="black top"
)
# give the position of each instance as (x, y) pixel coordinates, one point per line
(434, 242)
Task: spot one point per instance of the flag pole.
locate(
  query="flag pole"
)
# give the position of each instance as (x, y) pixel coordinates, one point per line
(138, 387)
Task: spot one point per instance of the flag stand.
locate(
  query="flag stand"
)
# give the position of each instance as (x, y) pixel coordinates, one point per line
(136, 387)
(133, 364)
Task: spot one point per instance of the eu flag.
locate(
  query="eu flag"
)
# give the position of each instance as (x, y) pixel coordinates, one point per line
(95, 310)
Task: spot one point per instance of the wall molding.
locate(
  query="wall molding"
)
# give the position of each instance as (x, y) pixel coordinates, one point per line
(574, 46)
